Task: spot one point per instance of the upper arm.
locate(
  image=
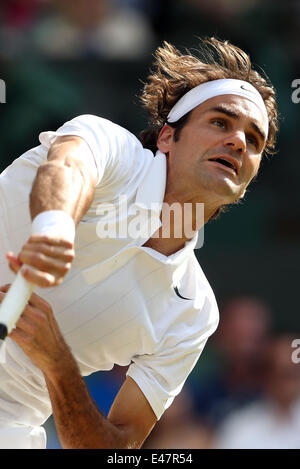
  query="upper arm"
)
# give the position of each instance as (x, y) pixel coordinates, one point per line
(73, 150)
(67, 180)
(111, 150)
(132, 413)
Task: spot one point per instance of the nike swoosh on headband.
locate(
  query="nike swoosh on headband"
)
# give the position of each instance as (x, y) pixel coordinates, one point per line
(246, 89)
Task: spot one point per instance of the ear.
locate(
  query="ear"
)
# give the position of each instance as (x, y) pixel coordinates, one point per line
(165, 138)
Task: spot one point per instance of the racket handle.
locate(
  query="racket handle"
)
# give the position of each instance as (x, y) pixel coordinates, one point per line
(13, 304)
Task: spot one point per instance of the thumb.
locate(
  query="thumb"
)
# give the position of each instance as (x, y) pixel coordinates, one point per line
(14, 262)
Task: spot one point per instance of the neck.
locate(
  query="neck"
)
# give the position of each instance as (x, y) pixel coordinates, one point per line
(200, 206)
(180, 223)
(183, 214)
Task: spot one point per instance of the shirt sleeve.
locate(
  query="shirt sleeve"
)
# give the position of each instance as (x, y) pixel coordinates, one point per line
(107, 142)
(161, 377)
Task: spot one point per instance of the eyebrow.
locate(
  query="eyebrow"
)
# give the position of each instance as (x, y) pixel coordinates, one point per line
(235, 115)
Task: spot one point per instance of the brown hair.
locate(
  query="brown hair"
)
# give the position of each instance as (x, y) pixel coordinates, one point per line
(176, 73)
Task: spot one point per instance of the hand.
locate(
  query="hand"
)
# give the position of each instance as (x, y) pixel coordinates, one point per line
(47, 260)
(38, 334)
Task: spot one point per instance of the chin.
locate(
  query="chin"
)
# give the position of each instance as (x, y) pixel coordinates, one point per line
(227, 192)
(223, 189)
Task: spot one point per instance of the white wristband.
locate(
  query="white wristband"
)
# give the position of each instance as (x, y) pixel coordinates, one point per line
(54, 223)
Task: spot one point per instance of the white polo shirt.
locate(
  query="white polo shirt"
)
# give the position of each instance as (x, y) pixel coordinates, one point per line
(121, 303)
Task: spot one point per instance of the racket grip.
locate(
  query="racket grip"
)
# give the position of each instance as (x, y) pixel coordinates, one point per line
(14, 303)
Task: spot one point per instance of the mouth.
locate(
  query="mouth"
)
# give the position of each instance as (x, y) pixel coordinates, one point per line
(228, 163)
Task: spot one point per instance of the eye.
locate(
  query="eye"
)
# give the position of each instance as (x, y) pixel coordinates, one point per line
(219, 123)
(252, 141)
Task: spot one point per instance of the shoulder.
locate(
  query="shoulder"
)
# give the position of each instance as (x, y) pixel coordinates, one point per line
(96, 130)
(103, 125)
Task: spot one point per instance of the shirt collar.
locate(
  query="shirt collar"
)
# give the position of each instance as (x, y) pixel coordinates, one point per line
(150, 195)
(151, 192)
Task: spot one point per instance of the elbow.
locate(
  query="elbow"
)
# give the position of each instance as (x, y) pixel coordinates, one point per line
(93, 442)
(125, 437)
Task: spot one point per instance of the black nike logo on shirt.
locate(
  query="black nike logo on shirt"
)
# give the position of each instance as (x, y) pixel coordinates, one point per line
(178, 294)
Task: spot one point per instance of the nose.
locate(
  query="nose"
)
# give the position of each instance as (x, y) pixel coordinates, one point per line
(237, 141)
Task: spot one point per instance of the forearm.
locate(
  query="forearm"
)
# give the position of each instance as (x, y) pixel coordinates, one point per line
(63, 182)
(79, 422)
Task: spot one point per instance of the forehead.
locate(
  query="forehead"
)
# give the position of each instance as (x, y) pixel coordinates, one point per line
(242, 106)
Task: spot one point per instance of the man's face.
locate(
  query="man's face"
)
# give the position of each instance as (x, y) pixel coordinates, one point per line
(219, 149)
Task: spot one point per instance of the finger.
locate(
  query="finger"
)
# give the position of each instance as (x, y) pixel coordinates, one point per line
(16, 332)
(41, 279)
(50, 240)
(15, 269)
(11, 257)
(57, 252)
(27, 324)
(5, 288)
(2, 296)
(14, 262)
(36, 309)
(39, 303)
(44, 263)
(21, 338)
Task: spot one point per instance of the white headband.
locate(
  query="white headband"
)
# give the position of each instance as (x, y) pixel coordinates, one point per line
(210, 89)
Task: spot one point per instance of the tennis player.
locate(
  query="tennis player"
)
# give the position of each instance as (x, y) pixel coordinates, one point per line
(138, 298)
